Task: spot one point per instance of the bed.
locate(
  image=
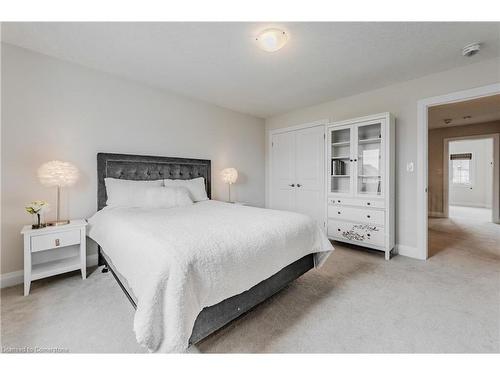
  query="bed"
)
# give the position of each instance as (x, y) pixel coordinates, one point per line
(170, 228)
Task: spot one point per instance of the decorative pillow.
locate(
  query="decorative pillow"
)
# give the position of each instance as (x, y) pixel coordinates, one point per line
(196, 187)
(163, 197)
(124, 192)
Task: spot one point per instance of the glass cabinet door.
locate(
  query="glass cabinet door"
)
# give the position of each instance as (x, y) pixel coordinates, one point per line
(340, 165)
(369, 159)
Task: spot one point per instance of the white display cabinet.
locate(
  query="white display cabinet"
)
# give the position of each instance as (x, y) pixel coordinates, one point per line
(360, 181)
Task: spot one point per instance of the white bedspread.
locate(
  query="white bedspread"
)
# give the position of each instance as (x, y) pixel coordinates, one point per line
(179, 260)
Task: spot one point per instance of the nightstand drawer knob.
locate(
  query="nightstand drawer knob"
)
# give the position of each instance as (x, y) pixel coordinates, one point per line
(58, 242)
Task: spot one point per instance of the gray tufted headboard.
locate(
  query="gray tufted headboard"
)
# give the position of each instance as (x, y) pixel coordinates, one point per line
(138, 167)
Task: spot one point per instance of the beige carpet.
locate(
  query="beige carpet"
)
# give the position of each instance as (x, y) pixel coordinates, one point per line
(357, 303)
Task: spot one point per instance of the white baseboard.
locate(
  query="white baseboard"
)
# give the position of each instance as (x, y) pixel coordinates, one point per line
(17, 277)
(408, 251)
(468, 204)
(11, 279)
(436, 214)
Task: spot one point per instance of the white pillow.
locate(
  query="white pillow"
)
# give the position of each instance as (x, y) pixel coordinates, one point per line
(196, 187)
(163, 197)
(124, 192)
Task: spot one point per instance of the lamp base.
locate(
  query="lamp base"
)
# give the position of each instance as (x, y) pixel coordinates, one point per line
(57, 223)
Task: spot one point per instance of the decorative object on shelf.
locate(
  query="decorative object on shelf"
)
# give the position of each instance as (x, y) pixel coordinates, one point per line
(37, 208)
(338, 167)
(229, 176)
(60, 174)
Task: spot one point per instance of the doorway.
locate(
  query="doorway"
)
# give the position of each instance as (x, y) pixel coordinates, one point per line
(423, 196)
(468, 178)
(463, 171)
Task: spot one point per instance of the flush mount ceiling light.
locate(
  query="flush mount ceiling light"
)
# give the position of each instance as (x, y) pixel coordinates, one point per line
(271, 40)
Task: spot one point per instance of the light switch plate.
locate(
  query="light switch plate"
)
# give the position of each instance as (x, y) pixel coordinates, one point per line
(409, 167)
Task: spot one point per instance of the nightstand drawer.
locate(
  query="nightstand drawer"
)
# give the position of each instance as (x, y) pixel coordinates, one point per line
(55, 240)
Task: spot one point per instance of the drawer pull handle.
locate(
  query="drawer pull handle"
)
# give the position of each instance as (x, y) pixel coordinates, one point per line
(58, 242)
(338, 201)
(368, 216)
(338, 229)
(368, 234)
(338, 212)
(367, 203)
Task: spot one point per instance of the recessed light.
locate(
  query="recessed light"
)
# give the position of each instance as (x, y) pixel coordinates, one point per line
(271, 40)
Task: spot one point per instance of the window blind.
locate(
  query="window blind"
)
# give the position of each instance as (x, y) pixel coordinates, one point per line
(466, 156)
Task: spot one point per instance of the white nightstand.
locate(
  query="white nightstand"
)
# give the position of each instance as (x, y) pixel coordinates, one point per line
(55, 237)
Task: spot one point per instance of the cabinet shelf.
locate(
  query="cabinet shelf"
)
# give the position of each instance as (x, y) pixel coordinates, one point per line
(347, 143)
(340, 157)
(340, 175)
(368, 176)
(369, 140)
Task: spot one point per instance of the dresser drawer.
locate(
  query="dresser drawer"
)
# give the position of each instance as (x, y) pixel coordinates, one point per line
(362, 215)
(54, 240)
(356, 202)
(357, 232)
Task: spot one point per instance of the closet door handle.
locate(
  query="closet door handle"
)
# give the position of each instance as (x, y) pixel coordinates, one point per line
(292, 185)
(299, 185)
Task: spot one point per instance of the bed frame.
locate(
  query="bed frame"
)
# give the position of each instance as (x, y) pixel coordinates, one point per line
(137, 167)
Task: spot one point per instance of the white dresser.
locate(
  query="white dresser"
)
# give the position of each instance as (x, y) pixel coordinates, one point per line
(360, 183)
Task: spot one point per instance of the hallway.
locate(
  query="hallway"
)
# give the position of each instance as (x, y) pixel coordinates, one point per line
(465, 235)
(470, 213)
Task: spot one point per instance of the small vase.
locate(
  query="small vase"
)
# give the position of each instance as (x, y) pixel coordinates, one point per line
(38, 225)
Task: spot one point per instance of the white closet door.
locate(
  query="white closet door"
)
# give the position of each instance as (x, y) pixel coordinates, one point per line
(310, 173)
(283, 171)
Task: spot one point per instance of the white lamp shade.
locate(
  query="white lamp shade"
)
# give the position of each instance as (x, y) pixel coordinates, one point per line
(58, 173)
(229, 175)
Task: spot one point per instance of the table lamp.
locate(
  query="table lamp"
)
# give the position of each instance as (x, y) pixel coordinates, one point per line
(60, 174)
(229, 175)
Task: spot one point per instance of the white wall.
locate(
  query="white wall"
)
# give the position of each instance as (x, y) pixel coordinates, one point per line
(400, 99)
(57, 110)
(479, 193)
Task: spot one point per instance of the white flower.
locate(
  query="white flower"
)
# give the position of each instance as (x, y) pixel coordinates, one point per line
(37, 207)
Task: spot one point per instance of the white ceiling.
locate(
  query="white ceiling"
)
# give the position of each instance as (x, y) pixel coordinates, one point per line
(220, 63)
(475, 111)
